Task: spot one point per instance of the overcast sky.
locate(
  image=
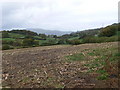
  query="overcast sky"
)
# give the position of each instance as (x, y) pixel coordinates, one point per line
(69, 15)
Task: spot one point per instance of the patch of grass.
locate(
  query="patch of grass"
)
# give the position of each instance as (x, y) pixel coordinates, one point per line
(76, 57)
(90, 71)
(103, 57)
(97, 52)
(103, 77)
(97, 59)
(112, 59)
(50, 79)
(103, 74)
(103, 63)
(59, 86)
(26, 79)
(92, 65)
(91, 53)
(103, 54)
(86, 64)
(117, 54)
(101, 71)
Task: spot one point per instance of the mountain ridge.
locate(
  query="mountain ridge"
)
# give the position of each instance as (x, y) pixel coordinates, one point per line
(49, 32)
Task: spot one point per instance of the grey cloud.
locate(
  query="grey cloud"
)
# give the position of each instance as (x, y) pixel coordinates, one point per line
(52, 15)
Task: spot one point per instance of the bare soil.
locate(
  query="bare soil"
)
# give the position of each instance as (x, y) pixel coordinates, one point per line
(46, 67)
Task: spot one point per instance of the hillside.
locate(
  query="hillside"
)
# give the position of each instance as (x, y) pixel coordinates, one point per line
(25, 38)
(81, 66)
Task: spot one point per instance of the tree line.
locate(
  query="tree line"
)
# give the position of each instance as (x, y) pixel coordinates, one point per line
(32, 39)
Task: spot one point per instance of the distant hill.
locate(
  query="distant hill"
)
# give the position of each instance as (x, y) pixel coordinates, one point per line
(89, 32)
(18, 38)
(49, 32)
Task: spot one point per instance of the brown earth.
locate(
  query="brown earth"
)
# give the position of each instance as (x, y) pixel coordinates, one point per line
(45, 67)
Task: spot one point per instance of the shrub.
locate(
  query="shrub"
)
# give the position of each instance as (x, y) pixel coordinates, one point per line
(28, 42)
(5, 47)
(112, 39)
(10, 42)
(43, 36)
(74, 42)
(16, 43)
(62, 41)
(36, 43)
(108, 31)
(90, 40)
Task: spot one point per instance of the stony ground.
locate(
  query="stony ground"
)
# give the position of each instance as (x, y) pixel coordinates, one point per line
(46, 67)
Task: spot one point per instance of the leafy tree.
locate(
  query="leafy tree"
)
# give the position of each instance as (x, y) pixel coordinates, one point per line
(62, 41)
(74, 42)
(108, 31)
(89, 40)
(28, 42)
(43, 36)
(55, 36)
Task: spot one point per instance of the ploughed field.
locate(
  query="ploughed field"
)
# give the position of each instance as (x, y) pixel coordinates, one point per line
(61, 66)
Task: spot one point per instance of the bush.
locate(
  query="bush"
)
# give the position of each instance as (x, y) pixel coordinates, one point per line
(43, 36)
(74, 42)
(62, 41)
(90, 40)
(16, 43)
(5, 47)
(10, 42)
(112, 39)
(28, 42)
(108, 31)
(36, 43)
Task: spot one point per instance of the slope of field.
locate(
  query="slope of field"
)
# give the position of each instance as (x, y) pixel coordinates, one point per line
(42, 67)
